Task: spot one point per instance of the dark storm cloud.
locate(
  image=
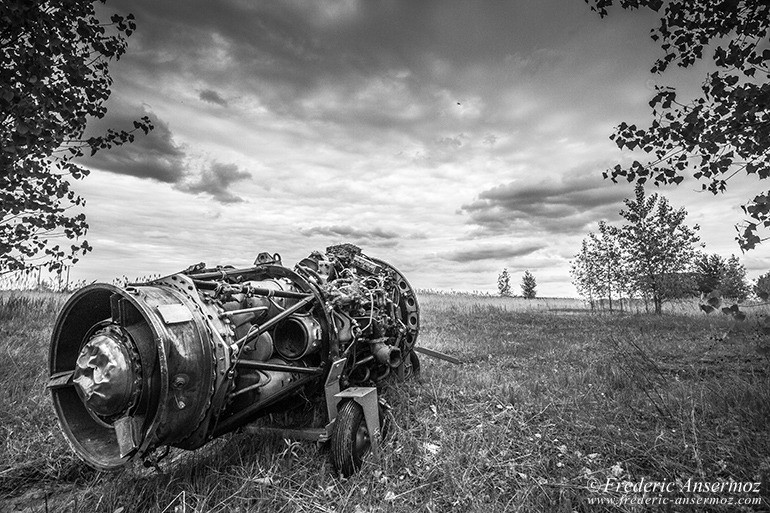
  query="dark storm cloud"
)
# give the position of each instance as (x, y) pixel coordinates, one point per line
(155, 155)
(380, 65)
(211, 96)
(560, 205)
(350, 232)
(492, 253)
(216, 181)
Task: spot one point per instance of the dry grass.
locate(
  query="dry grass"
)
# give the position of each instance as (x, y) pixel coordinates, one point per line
(550, 400)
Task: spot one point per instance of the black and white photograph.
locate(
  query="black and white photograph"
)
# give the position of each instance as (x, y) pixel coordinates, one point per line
(357, 256)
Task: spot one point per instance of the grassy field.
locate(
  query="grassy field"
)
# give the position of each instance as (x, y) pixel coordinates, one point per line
(550, 402)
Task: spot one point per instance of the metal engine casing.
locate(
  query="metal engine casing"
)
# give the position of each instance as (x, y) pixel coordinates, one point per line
(183, 359)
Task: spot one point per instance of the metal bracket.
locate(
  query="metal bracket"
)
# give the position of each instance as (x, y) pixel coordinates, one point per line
(332, 387)
(128, 433)
(367, 398)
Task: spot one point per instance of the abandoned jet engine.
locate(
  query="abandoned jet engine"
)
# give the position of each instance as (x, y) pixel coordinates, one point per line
(183, 359)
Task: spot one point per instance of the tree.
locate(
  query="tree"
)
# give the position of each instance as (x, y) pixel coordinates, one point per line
(504, 283)
(54, 77)
(600, 269)
(710, 271)
(584, 269)
(762, 287)
(734, 284)
(658, 245)
(726, 130)
(528, 285)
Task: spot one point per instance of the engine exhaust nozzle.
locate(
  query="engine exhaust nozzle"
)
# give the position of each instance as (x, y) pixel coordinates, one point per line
(384, 353)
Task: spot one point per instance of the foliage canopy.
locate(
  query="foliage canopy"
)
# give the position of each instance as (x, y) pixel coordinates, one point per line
(726, 130)
(649, 255)
(54, 77)
(727, 277)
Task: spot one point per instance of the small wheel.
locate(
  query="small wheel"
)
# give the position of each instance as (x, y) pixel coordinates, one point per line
(350, 439)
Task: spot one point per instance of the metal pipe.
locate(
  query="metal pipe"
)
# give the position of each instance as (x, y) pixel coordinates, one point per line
(255, 386)
(243, 311)
(273, 321)
(252, 364)
(363, 361)
(206, 285)
(225, 272)
(260, 291)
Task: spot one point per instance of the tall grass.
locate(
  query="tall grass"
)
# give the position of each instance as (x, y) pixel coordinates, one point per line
(548, 401)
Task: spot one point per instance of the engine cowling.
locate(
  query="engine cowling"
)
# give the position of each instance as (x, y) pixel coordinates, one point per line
(183, 359)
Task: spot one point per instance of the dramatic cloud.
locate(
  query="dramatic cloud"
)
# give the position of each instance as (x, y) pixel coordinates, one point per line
(376, 122)
(155, 155)
(562, 205)
(211, 96)
(499, 252)
(216, 180)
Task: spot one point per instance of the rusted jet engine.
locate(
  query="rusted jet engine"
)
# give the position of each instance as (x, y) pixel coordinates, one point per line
(183, 359)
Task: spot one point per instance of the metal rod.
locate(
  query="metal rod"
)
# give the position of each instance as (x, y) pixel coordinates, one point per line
(250, 388)
(363, 361)
(253, 364)
(259, 291)
(311, 434)
(273, 321)
(225, 272)
(436, 354)
(243, 311)
(277, 293)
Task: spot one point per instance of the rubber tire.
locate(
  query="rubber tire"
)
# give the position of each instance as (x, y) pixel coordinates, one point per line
(347, 455)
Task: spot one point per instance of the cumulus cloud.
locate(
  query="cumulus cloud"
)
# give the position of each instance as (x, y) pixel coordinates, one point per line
(498, 252)
(211, 96)
(156, 155)
(561, 205)
(216, 181)
(349, 232)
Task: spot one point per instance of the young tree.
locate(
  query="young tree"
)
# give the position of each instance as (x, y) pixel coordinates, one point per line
(585, 273)
(762, 287)
(725, 131)
(53, 77)
(734, 284)
(599, 270)
(710, 271)
(504, 283)
(659, 245)
(528, 285)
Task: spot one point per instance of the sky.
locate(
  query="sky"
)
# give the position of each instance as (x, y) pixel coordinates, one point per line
(451, 139)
